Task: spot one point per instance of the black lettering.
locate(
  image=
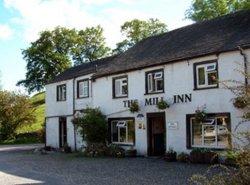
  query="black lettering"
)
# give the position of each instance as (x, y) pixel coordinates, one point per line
(180, 98)
(148, 101)
(188, 97)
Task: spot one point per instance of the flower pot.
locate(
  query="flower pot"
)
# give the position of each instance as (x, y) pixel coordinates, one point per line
(131, 153)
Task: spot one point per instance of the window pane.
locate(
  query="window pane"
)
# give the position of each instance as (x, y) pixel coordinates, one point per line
(201, 76)
(212, 78)
(124, 89)
(122, 137)
(117, 87)
(196, 133)
(85, 88)
(131, 131)
(209, 134)
(114, 131)
(80, 89)
(223, 135)
(159, 85)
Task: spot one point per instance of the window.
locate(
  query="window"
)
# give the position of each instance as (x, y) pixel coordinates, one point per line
(212, 133)
(122, 131)
(120, 87)
(154, 82)
(206, 75)
(61, 92)
(83, 88)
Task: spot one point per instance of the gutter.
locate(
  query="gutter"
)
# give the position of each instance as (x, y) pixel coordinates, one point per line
(245, 63)
(74, 112)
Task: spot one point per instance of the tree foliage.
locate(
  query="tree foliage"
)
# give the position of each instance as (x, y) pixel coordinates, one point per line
(54, 51)
(15, 111)
(208, 9)
(92, 126)
(137, 30)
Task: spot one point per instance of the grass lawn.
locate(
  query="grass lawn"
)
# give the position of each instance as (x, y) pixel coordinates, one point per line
(38, 101)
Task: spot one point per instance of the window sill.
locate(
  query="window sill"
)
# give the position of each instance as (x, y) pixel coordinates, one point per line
(123, 144)
(61, 100)
(211, 148)
(154, 93)
(205, 88)
(119, 97)
(82, 97)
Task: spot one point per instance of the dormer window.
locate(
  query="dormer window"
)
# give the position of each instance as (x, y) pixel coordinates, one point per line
(120, 87)
(155, 81)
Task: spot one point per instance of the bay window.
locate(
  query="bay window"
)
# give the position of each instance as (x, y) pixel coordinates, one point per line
(206, 75)
(155, 81)
(122, 131)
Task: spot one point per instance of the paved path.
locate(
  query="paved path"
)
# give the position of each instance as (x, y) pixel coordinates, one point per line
(61, 169)
(21, 147)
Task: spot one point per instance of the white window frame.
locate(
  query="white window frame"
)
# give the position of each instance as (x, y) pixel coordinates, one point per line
(124, 124)
(61, 92)
(216, 146)
(152, 76)
(206, 72)
(122, 84)
(83, 87)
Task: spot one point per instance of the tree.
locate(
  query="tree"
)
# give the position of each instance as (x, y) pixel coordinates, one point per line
(55, 51)
(137, 30)
(208, 9)
(91, 46)
(15, 111)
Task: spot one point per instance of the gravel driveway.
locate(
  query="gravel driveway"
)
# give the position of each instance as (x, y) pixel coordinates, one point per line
(61, 169)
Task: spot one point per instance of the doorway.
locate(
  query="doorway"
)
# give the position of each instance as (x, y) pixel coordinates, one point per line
(62, 131)
(156, 134)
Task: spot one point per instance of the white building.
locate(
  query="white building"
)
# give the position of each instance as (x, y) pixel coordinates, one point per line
(182, 66)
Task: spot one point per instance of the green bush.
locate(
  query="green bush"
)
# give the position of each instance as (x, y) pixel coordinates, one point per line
(162, 104)
(183, 157)
(92, 126)
(116, 151)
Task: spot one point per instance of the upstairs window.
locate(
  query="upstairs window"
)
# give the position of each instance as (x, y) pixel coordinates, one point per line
(61, 92)
(206, 75)
(120, 87)
(83, 88)
(155, 81)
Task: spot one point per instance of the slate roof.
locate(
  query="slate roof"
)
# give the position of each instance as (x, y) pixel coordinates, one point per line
(214, 36)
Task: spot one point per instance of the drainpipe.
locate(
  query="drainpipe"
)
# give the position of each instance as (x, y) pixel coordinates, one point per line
(245, 63)
(74, 112)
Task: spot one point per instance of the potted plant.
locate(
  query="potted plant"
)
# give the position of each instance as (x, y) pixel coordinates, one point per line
(183, 157)
(240, 102)
(131, 152)
(196, 155)
(170, 155)
(200, 115)
(210, 157)
(162, 104)
(134, 107)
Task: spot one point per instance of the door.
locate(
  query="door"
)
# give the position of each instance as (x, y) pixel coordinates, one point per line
(156, 134)
(62, 131)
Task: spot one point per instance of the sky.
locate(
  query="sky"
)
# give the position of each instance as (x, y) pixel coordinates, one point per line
(22, 20)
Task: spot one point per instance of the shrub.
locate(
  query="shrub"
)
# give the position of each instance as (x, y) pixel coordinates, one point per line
(231, 157)
(93, 126)
(134, 107)
(170, 155)
(162, 104)
(16, 110)
(96, 150)
(200, 115)
(183, 157)
(240, 102)
(116, 151)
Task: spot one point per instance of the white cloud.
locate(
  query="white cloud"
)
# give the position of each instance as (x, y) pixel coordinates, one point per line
(5, 32)
(38, 15)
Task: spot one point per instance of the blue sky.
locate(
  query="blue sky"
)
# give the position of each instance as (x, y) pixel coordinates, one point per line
(22, 20)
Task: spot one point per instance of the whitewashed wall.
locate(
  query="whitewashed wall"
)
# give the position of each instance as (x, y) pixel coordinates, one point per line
(178, 80)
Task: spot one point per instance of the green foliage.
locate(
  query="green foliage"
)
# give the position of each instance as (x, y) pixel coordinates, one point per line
(92, 126)
(208, 9)
(16, 111)
(137, 30)
(162, 104)
(91, 45)
(134, 107)
(200, 114)
(53, 52)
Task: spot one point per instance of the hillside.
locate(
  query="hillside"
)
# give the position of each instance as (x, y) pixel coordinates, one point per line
(38, 100)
